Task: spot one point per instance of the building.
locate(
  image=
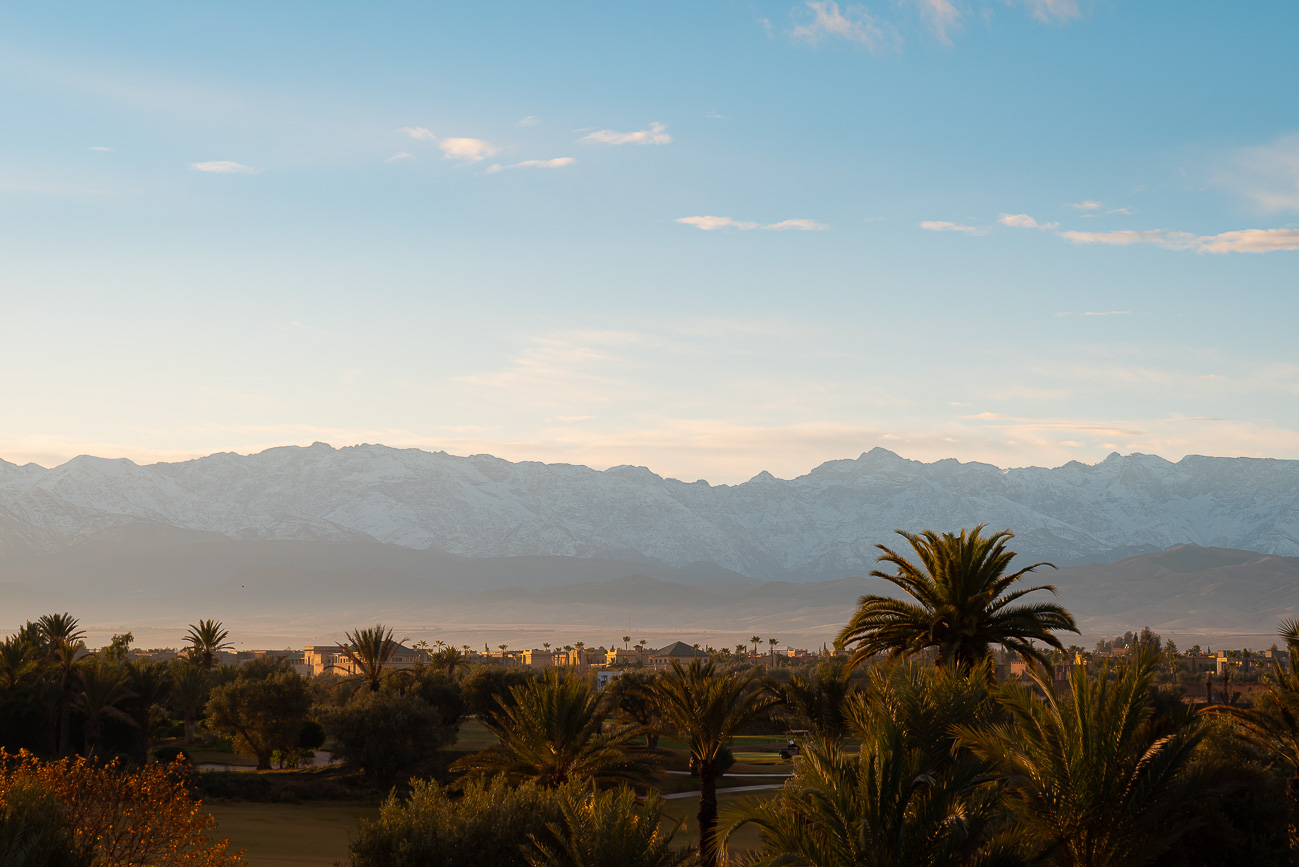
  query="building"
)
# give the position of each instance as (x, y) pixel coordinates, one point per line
(678, 651)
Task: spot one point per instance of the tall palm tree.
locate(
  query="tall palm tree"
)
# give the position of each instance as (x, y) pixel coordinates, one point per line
(150, 683)
(963, 603)
(206, 639)
(772, 642)
(626, 642)
(705, 708)
(60, 630)
(369, 651)
(1093, 775)
(18, 662)
(103, 689)
(553, 731)
(190, 688)
(1273, 722)
(62, 636)
(755, 641)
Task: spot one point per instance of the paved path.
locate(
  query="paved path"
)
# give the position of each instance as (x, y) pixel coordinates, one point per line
(724, 791)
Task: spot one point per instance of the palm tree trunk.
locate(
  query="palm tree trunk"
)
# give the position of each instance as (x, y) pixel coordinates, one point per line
(65, 728)
(707, 815)
(189, 730)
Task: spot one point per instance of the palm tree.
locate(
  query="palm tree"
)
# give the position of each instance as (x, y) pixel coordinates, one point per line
(149, 683)
(705, 709)
(545, 645)
(18, 661)
(1273, 722)
(553, 731)
(191, 685)
(755, 641)
(1093, 776)
(452, 659)
(819, 703)
(60, 630)
(369, 651)
(502, 647)
(772, 642)
(626, 642)
(206, 639)
(608, 829)
(642, 643)
(62, 635)
(961, 606)
(882, 807)
(103, 688)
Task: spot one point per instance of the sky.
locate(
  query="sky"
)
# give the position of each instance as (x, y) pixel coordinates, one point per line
(708, 238)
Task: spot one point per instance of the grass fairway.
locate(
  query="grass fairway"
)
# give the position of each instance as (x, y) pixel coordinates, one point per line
(688, 808)
(295, 835)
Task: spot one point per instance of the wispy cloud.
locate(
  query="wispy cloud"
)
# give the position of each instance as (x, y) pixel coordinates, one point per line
(400, 155)
(1267, 175)
(945, 226)
(419, 133)
(853, 23)
(1024, 221)
(530, 120)
(224, 167)
(712, 115)
(1053, 11)
(556, 163)
(100, 148)
(709, 224)
(468, 149)
(941, 16)
(1089, 205)
(1240, 241)
(656, 134)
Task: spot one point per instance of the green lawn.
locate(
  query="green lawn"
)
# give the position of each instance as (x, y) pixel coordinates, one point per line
(295, 835)
(688, 808)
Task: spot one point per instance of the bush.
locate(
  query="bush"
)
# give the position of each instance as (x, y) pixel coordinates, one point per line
(168, 755)
(386, 734)
(487, 827)
(35, 832)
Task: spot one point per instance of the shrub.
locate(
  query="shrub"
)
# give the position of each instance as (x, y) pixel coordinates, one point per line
(386, 734)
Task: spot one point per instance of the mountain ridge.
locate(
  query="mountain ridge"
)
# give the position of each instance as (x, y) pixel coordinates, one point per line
(820, 525)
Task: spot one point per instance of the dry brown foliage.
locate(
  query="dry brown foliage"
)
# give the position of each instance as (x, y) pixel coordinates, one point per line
(138, 818)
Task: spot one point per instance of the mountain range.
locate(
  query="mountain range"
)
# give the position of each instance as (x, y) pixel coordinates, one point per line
(296, 541)
(821, 525)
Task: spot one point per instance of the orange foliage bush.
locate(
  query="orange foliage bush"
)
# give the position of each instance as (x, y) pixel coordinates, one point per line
(140, 818)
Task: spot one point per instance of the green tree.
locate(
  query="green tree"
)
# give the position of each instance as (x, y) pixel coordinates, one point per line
(1095, 777)
(705, 709)
(488, 825)
(150, 685)
(63, 636)
(963, 604)
(103, 689)
(607, 829)
(1273, 722)
(818, 703)
(263, 708)
(631, 697)
(206, 639)
(552, 731)
(191, 688)
(386, 733)
(370, 652)
(451, 659)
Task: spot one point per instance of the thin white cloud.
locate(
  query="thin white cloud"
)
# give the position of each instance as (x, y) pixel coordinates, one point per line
(224, 167)
(419, 133)
(530, 120)
(556, 163)
(710, 223)
(942, 18)
(853, 23)
(468, 149)
(945, 226)
(400, 155)
(1053, 11)
(1024, 221)
(656, 134)
(1239, 241)
(766, 25)
(798, 225)
(1088, 205)
(100, 148)
(712, 115)
(1268, 175)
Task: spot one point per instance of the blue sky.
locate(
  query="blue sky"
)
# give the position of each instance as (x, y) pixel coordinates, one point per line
(711, 239)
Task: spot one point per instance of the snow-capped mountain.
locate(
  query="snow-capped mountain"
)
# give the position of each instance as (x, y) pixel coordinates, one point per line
(820, 525)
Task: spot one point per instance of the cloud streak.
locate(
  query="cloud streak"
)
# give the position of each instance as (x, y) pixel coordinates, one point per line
(556, 163)
(657, 134)
(1024, 221)
(946, 226)
(852, 23)
(1239, 241)
(471, 150)
(712, 224)
(224, 167)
